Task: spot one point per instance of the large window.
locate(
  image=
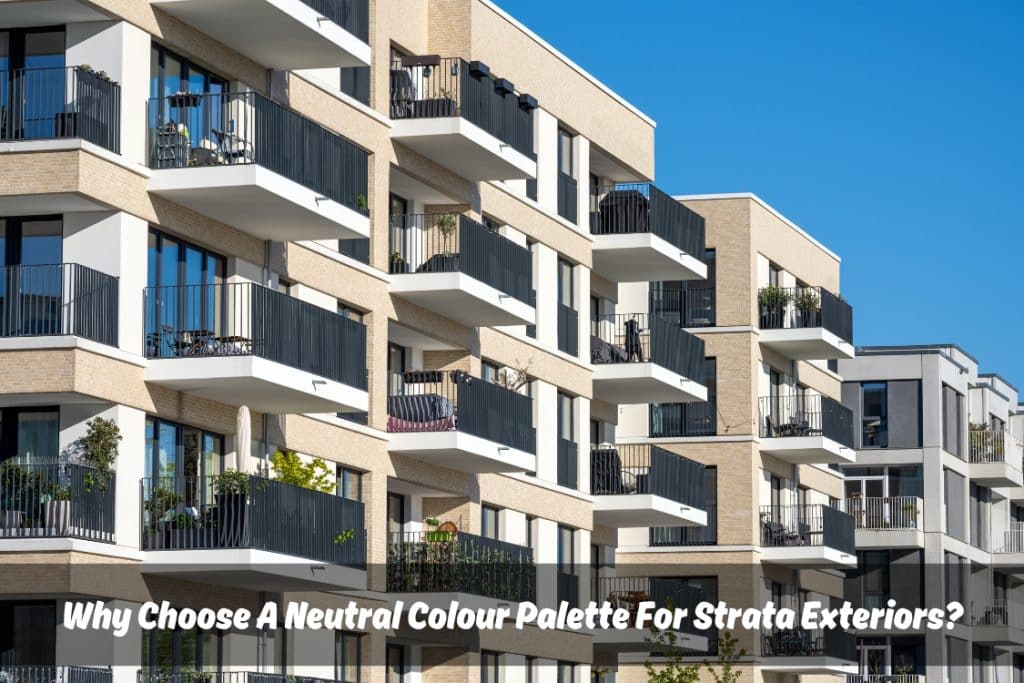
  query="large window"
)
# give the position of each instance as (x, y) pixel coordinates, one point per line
(30, 435)
(875, 415)
(565, 283)
(37, 240)
(28, 633)
(183, 457)
(489, 667)
(347, 657)
(350, 483)
(565, 161)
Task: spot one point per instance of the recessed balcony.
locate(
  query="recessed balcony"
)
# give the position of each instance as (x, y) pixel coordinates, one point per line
(638, 485)
(283, 34)
(805, 323)
(894, 522)
(627, 592)
(241, 343)
(641, 358)
(56, 500)
(807, 536)
(996, 621)
(249, 531)
(249, 162)
(995, 458)
(805, 430)
(1009, 556)
(461, 269)
(457, 114)
(461, 422)
(642, 234)
(805, 652)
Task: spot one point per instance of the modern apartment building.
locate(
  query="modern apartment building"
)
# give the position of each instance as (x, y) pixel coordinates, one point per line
(377, 234)
(935, 495)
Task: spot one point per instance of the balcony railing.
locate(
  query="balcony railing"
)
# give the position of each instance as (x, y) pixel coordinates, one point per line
(994, 612)
(440, 401)
(453, 243)
(647, 469)
(1013, 539)
(642, 207)
(54, 674)
(642, 338)
(627, 592)
(828, 642)
(457, 562)
(568, 330)
(58, 102)
(568, 197)
(810, 415)
(896, 512)
(251, 512)
(441, 87)
(351, 15)
(177, 676)
(691, 307)
(807, 525)
(568, 463)
(885, 678)
(687, 535)
(684, 419)
(992, 446)
(190, 130)
(58, 500)
(246, 319)
(58, 299)
(785, 308)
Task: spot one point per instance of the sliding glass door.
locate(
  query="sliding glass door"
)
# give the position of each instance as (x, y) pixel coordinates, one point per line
(183, 458)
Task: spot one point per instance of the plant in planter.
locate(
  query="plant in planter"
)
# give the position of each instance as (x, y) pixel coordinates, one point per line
(772, 301)
(435, 535)
(98, 450)
(808, 306)
(345, 536)
(361, 202)
(16, 485)
(230, 495)
(56, 503)
(446, 224)
(161, 503)
(398, 263)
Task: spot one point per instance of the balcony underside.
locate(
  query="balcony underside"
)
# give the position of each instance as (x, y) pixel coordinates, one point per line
(462, 452)
(1009, 562)
(644, 509)
(890, 538)
(260, 384)
(465, 148)
(810, 343)
(644, 383)
(1013, 493)
(996, 474)
(462, 298)
(253, 570)
(644, 257)
(809, 665)
(808, 450)
(283, 34)
(48, 13)
(807, 556)
(998, 635)
(259, 202)
(636, 640)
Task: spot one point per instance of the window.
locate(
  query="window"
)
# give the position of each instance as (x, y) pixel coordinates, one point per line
(350, 312)
(396, 514)
(184, 454)
(355, 82)
(566, 672)
(954, 566)
(874, 415)
(30, 435)
(28, 633)
(531, 664)
(689, 419)
(565, 161)
(350, 484)
(347, 657)
(566, 551)
(179, 650)
(489, 522)
(31, 241)
(394, 664)
(875, 578)
(952, 420)
(529, 531)
(774, 274)
(171, 73)
(489, 372)
(489, 662)
(566, 428)
(565, 283)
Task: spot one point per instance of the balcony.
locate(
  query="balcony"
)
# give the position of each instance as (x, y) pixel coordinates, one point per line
(243, 343)
(885, 678)
(637, 485)
(690, 307)
(54, 673)
(457, 114)
(455, 266)
(805, 323)
(461, 422)
(64, 299)
(627, 592)
(894, 522)
(807, 536)
(251, 163)
(283, 34)
(643, 235)
(997, 621)
(803, 652)
(240, 531)
(58, 500)
(805, 430)
(457, 562)
(641, 358)
(995, 458)
(1010, 556)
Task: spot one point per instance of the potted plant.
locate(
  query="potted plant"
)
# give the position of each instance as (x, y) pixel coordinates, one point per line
(361, 202)
(808, 307)
(434, 535)
(446, 224)
(161, 502)
(230, 495)
(56, 503)
(398, 263)
(14, 491)
(772, 301)
(314, 475)
(97, 449)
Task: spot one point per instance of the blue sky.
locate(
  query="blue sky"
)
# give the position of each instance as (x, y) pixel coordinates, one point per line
(891, 131)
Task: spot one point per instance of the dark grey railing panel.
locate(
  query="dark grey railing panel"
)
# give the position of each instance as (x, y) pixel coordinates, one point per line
(568, 330)
(691, 307)
(832, 643)
(647, 469)
(684, 419)
(568, 463)
(642, 207)
(807, 525)
(568, 199)
(58, 500)
(811, 415)
(351, 15)
(784, 308)
(52, 674)
(643, 338)
(688, 535)
(626, 592)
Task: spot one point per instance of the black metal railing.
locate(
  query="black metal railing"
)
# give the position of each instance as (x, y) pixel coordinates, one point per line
(54, 674)
(148, 675)
(692, 307)
(457, 562)
(813, 525)
(642, 207)
(351, 15)
(568, 330)
(804, 307)
(453, 243)
(567, 589)
(568, 463)
(58, 299)
(246, 319)
(56, 500)
(833, 643)
(627, 592)
(688, 535)
(252, 512)
(440, 401)
(684, 419)
(221, 129)
(810, 415)
(647, 469)
(60, 102)
(643, 338)
(438, 87)
(568, 197)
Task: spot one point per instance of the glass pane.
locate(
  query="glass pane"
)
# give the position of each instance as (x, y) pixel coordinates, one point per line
(167, 450)
(5, 39)
(37, 436)
(44, 50)
(41, 242)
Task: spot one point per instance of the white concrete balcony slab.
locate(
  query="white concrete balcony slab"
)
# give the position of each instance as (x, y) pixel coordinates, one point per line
(464, 147)
(251, 569)
(644, 257)
(995, 458)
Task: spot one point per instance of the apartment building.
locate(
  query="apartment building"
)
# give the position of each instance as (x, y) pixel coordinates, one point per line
(377, 235)
(935, 496)
(772, 436)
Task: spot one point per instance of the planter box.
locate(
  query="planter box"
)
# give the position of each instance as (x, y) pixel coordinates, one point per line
(57, 517)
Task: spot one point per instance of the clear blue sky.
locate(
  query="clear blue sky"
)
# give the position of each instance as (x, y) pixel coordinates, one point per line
(891, 131)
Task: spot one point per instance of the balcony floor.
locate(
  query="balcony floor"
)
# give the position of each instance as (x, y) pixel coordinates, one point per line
(807, 343)
(259, 202)
(996, 474)
(261, 384)
(641, 509)
(282, 34)
(644, 257)
(253, 570)
(462, 452)
(463, 147)
(807, 556)
(631, 383)
(49, 13)
(462, 298)
(1004, 636)
(808, 450)
(809, 665)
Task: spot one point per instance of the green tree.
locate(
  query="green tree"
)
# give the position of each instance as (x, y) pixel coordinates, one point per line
(289, 469)
(728, 657)
(674, 669)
